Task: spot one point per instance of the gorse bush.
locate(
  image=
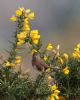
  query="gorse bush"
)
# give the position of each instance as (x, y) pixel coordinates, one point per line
(59, 77)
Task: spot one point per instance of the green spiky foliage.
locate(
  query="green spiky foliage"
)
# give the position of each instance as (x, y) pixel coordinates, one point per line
(69, 85)
(18, 86)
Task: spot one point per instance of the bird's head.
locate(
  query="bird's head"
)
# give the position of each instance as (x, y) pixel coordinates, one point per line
(36, 54)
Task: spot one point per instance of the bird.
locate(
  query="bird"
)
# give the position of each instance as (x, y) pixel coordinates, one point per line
(37, 61)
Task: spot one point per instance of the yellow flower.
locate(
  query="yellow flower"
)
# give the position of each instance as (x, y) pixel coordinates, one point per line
(48, 70)
(60, 60)
(52, 98)
(75, 54)
(26, 21)
(7, 64)
(55, 96)
(21, 9)
(27, 11)
(54, 87)
(34, 37)
(26, 27)
(78, 45)
(17, 61)
(76, 49)
(19, 12)
(20, 42)
(49, 46)
(49, 98)
(22, 35)
(50, 78)
(34, 34)
(65, 55)
(35, 41)
(33, 51)
(66, 70)
(31, 15)
(13, 18)
(45, 58)
(18, 57)
(56, 92)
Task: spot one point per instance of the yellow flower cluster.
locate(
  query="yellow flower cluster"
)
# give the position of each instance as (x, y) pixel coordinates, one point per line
(55, 95)
(8, 64)
(18, 59)
(66, 70)
(65, 56)
(20, 11)
(34, 35)
(76, 53)
(31, 15)
(45, 58)
(13, 64)
(28, 15)
(78, 45)
(13, 18)
(21, 38)
(49, 46)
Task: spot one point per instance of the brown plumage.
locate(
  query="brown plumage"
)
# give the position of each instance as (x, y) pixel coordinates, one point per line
(39, 62)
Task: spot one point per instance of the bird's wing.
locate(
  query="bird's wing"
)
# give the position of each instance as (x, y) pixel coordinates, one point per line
(43, 63)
